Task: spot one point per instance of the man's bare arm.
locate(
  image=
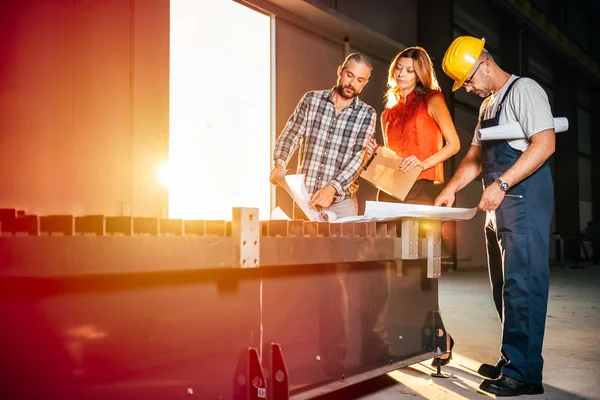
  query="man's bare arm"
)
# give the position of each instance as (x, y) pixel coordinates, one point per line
(469, 169)
(541, 148)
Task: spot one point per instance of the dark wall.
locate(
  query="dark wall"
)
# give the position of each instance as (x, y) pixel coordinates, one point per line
(305, 62)
(394, 19)
(566, 158)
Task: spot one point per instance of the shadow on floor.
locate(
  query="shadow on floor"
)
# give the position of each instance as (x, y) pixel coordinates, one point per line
(415, 382)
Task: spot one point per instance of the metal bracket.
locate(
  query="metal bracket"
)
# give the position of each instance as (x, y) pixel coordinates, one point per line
(435, 340)
(410, 239)
(256, 378)
(249, 380)
(279, 379)
(433, 337)
(245, 235)
(434, 248)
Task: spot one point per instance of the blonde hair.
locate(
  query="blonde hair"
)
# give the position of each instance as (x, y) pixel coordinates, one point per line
(426, 79)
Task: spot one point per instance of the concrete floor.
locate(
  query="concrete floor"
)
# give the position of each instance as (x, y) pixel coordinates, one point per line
(571, 351)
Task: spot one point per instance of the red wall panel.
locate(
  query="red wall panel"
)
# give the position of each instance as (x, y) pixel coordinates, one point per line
(36, 103)
(150, 104)
(102, 115)
(81, 82)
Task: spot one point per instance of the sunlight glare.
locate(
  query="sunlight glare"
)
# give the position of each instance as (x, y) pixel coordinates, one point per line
(219, 127)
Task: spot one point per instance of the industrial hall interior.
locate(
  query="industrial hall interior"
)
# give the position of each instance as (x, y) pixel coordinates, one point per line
(299, 199)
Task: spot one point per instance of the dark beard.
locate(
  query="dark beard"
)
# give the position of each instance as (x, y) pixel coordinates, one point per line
(340, 90)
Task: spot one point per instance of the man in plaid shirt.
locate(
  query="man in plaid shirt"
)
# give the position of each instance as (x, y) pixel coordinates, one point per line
(332, 128)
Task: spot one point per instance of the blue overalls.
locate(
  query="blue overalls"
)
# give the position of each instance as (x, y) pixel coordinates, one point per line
(517, 236)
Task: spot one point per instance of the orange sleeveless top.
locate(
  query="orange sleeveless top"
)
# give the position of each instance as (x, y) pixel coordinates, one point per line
(412, 131)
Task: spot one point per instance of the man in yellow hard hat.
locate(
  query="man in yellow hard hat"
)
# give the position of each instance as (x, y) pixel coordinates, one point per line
(518, 198)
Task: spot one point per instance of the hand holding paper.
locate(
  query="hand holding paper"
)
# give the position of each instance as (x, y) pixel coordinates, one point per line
(294, 185)
(372, 147)
(409, 163)
(384, 211)
(323, 197)
(375, 211)
(384, 173)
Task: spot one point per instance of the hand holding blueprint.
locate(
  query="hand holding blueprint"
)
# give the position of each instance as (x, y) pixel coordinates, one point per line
(383, 171)
(384, 211)
(514, 131)
(375, 210)
(294, 185)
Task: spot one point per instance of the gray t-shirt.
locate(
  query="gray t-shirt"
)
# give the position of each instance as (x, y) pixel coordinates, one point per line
(526, 103)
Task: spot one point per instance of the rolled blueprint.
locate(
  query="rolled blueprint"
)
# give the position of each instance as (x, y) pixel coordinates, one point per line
(514, 131)
(321, 216)
(326, 216)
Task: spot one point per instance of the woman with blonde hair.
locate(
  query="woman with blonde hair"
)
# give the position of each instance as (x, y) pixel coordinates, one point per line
(416, 122)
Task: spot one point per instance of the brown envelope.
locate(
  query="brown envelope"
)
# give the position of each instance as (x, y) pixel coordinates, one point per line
(383, 172)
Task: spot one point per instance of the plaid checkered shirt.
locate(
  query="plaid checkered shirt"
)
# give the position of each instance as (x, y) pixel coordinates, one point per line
(332, 148)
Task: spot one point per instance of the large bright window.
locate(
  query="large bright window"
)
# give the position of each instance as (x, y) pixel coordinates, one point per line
(219, 127)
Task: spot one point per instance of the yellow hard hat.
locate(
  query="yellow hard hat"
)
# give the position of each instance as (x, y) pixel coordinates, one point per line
(460, 58)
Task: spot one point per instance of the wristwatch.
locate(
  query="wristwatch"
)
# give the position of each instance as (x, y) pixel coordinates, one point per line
(503, 185)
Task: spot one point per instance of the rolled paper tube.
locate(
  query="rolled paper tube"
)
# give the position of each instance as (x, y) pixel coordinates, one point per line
(513, 130)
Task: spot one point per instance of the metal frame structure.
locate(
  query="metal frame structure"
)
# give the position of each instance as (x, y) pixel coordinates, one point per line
(118, 307)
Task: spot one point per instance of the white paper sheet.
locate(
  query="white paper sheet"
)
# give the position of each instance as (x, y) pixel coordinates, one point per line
(514, 131)
(294, 185)
(380, 211)
(374, 210)
(384, 211)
